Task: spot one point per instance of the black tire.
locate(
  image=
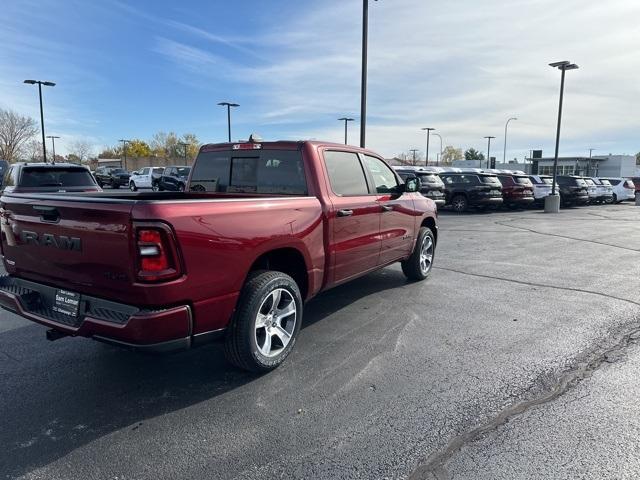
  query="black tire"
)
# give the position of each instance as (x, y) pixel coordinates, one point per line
(132, 186)
(615, 199)
(241, 345)
(115, 185)
(459, 203)
(181, 187)
(155, 187)
(412, 267)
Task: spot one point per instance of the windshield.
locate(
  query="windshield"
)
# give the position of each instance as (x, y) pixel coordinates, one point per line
(279, 172)
(522, 181)
(429, 178)
(580, 182)
(490, 179)
(56, 177)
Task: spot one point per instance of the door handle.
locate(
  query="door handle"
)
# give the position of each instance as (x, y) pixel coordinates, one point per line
(387, 208)
(345, 213)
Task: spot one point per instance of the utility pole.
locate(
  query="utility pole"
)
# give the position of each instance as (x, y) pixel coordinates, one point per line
(414, 150)
(345, 120)
(53, 144)
(488, 150)
(124, 150)
(184, 151)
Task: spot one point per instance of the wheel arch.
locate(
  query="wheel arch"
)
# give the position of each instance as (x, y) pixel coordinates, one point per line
(287, 260)
(430, 223)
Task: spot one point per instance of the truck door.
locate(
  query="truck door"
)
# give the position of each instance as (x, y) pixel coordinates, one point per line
(355, 220)
(397, 213)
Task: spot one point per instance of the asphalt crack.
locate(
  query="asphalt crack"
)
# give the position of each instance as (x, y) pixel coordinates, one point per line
(541, 285)
(566, 237)
(612, 346)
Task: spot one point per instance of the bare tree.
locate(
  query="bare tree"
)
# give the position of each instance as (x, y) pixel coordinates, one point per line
(81, 149)
(31, 151)
(15, 132)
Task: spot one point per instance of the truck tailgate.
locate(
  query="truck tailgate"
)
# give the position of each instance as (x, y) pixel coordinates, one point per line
(80, 244)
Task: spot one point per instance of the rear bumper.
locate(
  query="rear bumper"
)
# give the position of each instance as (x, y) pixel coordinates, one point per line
(519, 200)
(128, 326)
(488, 201)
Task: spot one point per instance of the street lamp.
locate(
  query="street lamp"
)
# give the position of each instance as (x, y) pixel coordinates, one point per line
(184, 150)
(53, 144)
(124, 150)
(345, 120)
(504, 155)
(440, 156)
(414, 151)
(562, 66)
(363, 83)
(428, 130)
(488, 150)
(46, 84)
(228, 105)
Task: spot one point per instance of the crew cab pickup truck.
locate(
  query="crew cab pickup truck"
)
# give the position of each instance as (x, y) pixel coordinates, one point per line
(262, 228)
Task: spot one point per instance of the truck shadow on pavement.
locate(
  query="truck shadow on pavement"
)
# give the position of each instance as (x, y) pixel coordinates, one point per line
(57, 397)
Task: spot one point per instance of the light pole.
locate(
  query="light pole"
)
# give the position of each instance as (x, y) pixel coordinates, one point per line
(228, 105)
(53, 144)
(414, 151)
(488, 150)
(184, 150)
(124, 150)
(363, 83)
(428, 130)
(504, 155)
(440, 156)
(563, 66)
(345, 120)
(46, 84)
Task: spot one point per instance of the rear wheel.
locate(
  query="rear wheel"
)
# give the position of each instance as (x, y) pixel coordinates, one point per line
(459, 203)
(154, 187)
(615, 198)
(419, 264)
(266, 324)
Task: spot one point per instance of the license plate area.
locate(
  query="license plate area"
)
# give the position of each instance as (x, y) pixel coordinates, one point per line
(66, 303)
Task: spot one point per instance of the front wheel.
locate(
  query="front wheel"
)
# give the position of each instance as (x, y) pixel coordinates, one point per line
(459, 203)
(154, 187)
(132, 186)
(419, 264)
(264, 328)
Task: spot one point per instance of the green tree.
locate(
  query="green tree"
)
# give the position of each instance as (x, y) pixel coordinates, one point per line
(165, 145)
(138, 148)
(450, 153)
(473, 154)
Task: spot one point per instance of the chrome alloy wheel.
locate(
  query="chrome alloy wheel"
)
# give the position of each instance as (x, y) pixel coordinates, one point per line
(275, 322)
(426, 254)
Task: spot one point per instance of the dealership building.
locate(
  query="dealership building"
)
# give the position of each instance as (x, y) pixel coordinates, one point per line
(597, 166)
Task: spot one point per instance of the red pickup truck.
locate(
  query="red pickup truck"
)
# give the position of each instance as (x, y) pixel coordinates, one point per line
(262, 228)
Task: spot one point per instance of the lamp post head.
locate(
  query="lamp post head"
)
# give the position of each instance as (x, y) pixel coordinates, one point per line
(228, 104)
(428, 129)
(489, 137)
(345, 119)
(564, 65)
(30, 82)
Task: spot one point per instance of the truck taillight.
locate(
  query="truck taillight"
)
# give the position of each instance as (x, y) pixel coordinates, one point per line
(157, 256)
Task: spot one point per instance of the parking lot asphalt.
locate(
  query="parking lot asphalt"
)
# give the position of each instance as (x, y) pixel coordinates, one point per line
(516, 359)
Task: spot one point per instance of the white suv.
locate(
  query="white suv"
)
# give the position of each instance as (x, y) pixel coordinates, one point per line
(144, 178)
(623, 189)
(541, 187)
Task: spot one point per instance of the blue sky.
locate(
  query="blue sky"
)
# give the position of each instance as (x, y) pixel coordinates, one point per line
(130, 69)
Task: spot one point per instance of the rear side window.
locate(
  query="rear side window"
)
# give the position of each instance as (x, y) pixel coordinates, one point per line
(429, 179)
(614, 182)
(383, 177)
(54, 177)
(589, 182)
(522, 181)
(506, 180)
(345, 173)
(277, 172)
(490, 179)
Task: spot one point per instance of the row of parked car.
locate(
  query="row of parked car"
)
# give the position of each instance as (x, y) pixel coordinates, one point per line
(172, 178)
(462, 189)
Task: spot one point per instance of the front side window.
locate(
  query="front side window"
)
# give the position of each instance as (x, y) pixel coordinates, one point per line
(345, 173)
(383, 177)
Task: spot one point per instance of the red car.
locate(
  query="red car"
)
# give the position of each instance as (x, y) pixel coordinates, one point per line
(262, 228)
(517, 190)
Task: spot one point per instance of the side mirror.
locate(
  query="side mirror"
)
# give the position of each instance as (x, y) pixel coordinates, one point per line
(411, 184)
